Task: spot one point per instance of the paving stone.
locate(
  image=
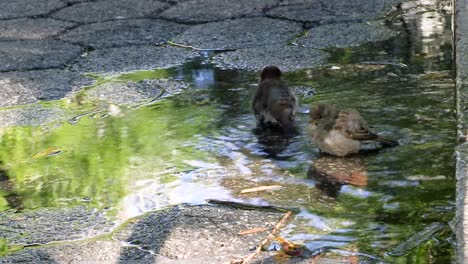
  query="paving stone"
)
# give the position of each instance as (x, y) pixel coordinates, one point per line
(24, 8)
(124, 59)
(199, 11)
(124, 33)
(239, 33)
(31, 86)
(104, 10)
(36, 54)
(32, 28)
(332, 11)
(344, 35)
(287, 58)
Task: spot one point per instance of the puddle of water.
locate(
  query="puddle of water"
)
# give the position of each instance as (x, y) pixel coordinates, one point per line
(200, 145)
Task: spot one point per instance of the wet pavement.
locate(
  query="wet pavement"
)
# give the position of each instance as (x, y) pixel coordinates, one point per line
(114, 110)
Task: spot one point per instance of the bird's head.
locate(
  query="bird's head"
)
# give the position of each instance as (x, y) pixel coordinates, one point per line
(271, 72)
(321, 112)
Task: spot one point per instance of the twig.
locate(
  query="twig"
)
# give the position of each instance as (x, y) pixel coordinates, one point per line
(261, 188)
(252, 231)
(271, 236)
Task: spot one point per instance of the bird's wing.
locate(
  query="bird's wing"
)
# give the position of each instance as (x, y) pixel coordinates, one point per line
(352, 125)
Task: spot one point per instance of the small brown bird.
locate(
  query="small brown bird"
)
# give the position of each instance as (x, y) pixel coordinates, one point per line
(342, 132)
(274, 104)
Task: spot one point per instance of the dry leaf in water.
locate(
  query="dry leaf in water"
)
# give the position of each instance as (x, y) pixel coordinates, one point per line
(50, 151)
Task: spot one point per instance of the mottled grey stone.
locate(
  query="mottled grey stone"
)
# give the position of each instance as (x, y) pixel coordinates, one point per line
(135, 92)
(124, 32)
(461, 44)
(33, 115)
(31, 86)
(104, 10)
(331, 11)
(344, 35)
(24, 8)
(36, 54)
(123, 59)
(287, 58)
(239, 33)
(179, 234)
(31, 28)
(197, 11)
(201, 234)
(47, 225)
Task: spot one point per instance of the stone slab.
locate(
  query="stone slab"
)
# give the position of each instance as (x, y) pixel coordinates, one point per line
(287, 58)
(124, 59)
(239, 33)
(104, 10)
(344, 35)
(461, 47)
(124, 32)
(332, 11)
(31, 86)
(32, 28)
(36, 54)
(26, 8)
(199, 11)
(179, 234)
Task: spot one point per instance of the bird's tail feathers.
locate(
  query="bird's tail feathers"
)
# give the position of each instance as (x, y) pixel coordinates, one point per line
(388, 142)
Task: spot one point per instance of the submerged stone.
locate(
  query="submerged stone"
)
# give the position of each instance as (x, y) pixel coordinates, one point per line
(124, 32)
(344, 35)
(31, 86)
(36, 54)
(34, 115)
(287, 58)
(199, 11)
(239, 33)
(124, 59)
(95, 11)
(28, 28)
(135, 92)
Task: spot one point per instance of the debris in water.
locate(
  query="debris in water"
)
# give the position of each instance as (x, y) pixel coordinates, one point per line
(416, 240)
(50, 151)
(261, 188)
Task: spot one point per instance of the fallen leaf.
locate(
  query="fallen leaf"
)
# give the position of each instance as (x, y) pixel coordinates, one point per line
(261, 188)
(50, 151)
(252, 231)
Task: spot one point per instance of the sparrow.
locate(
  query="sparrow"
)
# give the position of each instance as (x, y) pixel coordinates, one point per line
(274, 105)
(342, 132)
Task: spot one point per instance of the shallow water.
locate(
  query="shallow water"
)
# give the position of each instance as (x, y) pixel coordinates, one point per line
(200, 145)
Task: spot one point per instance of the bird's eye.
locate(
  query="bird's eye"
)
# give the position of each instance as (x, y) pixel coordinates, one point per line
(319, 117)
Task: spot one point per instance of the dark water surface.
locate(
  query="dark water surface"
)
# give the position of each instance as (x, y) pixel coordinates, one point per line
(200, 145)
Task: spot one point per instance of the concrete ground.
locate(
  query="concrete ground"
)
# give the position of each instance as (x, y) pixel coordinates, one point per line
(47, 45)
(461, 44)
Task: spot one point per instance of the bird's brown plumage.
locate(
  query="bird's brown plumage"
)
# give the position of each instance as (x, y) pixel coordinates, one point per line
(341, 132)
(274, 104)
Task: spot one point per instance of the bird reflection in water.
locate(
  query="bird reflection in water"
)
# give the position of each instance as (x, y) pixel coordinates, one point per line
(333, 172)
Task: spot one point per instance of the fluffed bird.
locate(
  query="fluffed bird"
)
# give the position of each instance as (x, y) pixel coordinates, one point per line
(274, 104)
(342, 132)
